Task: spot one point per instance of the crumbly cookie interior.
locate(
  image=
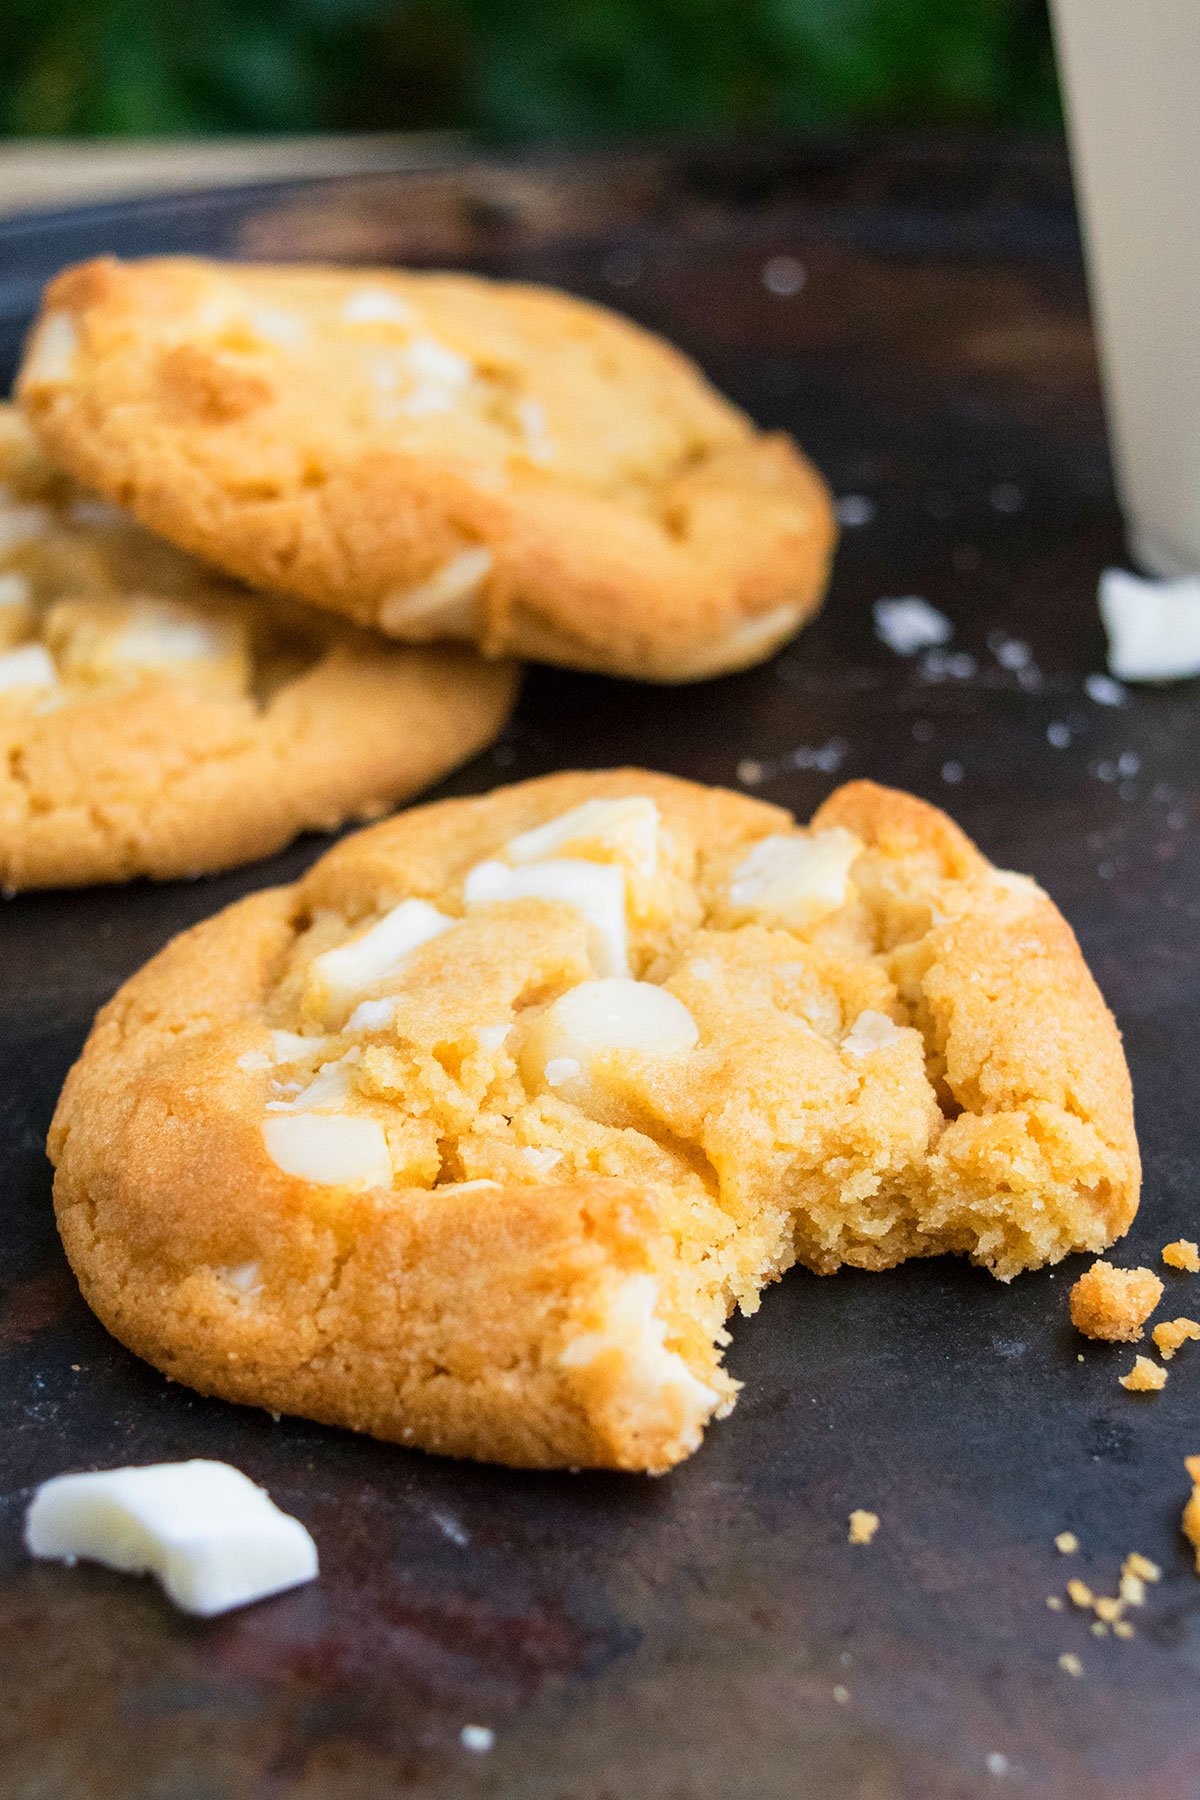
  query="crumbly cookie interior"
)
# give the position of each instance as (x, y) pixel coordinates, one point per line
(91, 604)
(783, 1037)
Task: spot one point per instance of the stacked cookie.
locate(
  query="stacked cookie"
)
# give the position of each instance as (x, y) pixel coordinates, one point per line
(476, 1136)
(358, 462)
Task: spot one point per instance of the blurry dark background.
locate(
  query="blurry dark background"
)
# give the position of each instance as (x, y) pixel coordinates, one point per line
(519, 69)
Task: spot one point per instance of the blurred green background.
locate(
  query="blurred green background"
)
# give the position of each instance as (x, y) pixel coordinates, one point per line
(516, 69)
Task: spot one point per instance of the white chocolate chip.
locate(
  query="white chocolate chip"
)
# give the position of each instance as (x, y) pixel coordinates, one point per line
(559, 1070)
(595, 890)
(212, 1538)
(444, 601)
(329, 1088)
(329, 1149)
(794, 880)
(531, 416)
(596, 1020)
(542, 1160)
(911, 624)
(286, 330)
(245, 1277)
(633, 1333)
(29, 667)
(293, 1046)
(51, 357)
(1153, 626)
(375, 306)
(491, 1037)
(337, 977)
(371, 1015)
(870, 1031)
(251, 1062)
(624, 830)
(163, 633)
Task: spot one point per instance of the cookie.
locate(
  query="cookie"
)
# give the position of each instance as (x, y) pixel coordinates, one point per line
(156, 720)
(435, 456)
(475, 1136)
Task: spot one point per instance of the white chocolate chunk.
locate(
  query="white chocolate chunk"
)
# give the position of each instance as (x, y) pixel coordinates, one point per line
(162, 633)
(329, 1149)
(431, 361)
(794, 880)
(531, 416)
(624, 830)
(541, 1160)
(293, 1046)
(212, 1538)
(286, 330)
(51, 357)
(595, 890)
(252, 1062)
(375, 306)
(650, 1374)
(245, 1277)
(445, 601)
(372, 1015)
(338, 977)
(870, 1031)
(1153, 626)
(596, 1020)
(491, 1037)
(29, 667)
(328, 1090)
(910, 624)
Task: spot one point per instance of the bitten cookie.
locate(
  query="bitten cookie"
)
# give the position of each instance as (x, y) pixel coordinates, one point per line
(436, 456)
(475, 1137)
(156, 720)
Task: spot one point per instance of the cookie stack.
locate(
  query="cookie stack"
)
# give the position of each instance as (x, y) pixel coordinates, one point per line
(476, 1136)
(360, 461)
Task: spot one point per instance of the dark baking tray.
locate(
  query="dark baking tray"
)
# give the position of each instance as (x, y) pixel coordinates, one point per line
(711, 1634)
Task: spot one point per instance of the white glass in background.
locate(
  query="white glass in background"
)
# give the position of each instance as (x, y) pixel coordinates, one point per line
(1131, 82)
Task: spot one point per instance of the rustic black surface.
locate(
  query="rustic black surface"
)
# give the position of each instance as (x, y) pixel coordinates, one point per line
(708, 1636)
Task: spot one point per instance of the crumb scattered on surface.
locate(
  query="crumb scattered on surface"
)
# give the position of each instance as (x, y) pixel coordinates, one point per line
(1054, 1602)
(1182, 1254)
(1070, 1664)
(1140, 1566)
(1066, 1543)
(841, 1695)
(1172, 1333)
(1145, 1377)
(1114, 1304)
(1191, 1512)
(997, 1764)
(1080, 1593)
(1123, 1628)
(1099, 1628)
(863, 1526)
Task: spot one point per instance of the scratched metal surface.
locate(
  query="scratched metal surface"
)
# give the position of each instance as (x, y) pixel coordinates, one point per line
(709, 1636)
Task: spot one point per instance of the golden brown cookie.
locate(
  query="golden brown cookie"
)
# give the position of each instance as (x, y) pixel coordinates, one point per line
(156, 720)
(436, 456)
(474, 1137)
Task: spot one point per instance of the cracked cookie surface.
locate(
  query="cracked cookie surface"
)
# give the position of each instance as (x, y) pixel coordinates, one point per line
(157, 720)
(436, 456)
(476, 1136)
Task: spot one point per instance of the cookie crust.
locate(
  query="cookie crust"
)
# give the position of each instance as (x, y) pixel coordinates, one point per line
(435, 456)
(924, 1066)
(120, 757)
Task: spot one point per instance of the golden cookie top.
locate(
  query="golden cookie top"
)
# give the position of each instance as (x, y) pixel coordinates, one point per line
(436, 455)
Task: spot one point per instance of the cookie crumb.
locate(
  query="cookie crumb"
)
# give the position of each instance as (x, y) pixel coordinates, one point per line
(1191, 1512)
(1066, 1543)
(1054, 1602)
(863, 1526)
(1145, 1377)
(1080, 1593)
(1114, 1304)
(1070, 1664)
(478, 1738)
(841, 1695)
(1099, 1628)
(996, 1763)
(1123, 1629)
(1172, 1333)
(1182, 1254)
(1140, 1566)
